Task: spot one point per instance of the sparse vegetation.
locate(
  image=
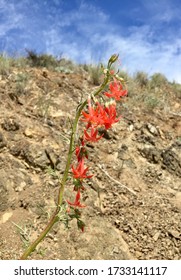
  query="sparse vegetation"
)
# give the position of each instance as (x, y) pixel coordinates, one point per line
(25, 233)
(41, 60)
(50, 62)
(21, 83)
(4, 65)
(37, 106)
(7, 63)
(151, 102)
(95, 73)
(141, 78)
(158, 80)
(177, 89)
(148, 92)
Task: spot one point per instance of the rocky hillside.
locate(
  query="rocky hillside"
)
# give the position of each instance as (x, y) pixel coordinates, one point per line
(133, 201)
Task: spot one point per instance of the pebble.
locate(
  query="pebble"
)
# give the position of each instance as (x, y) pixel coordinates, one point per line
(156, 236)
(152, 129)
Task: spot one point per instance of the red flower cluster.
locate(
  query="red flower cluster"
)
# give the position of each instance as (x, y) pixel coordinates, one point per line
(80, 171)
(76, 203)
(116, 90)
(100, 115)
(92, 137)
(96, 116)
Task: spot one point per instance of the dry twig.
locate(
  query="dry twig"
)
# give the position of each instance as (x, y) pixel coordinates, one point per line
(117, 182)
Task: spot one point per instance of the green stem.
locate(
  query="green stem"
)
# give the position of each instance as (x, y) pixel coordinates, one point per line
(55, 217)
(72, 138)
(32, 247)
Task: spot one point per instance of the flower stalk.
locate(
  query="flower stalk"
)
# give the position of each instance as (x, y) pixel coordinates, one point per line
(105, 114)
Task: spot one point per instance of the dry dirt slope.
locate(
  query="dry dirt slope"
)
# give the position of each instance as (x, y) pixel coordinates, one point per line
(133, 201)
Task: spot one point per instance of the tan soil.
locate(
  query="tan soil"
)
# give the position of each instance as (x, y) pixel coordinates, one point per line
(133, 201)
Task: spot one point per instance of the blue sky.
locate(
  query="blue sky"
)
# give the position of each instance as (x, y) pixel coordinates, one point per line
(146, 34)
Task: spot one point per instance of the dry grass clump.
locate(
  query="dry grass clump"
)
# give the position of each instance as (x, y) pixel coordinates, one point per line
(145, 92)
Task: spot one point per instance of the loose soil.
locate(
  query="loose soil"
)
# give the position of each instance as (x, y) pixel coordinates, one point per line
(134, 199)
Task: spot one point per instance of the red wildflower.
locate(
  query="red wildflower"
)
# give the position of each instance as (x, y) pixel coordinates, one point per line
(92, 115)
(117, 91)
(76, 203)
(108, 116)
(80, 171)
(101, 115)
(92, 137)
(78, 153)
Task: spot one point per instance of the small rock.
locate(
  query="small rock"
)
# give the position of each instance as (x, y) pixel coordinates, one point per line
(117, 223)
(28, 132)
(131, 127)
(175, 234)
(10, 125)
(152, 129)
(116, 250)
(177, 200)
(126, 229)
(20, 187)
(23, 204)
(156, 236)
(134, 229)
(5, 217)
(138, 254)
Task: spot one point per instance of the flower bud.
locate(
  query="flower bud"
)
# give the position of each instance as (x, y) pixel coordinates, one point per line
(113, 58)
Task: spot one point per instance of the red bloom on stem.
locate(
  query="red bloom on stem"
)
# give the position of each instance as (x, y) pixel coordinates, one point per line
(80, 152)
(76, 203)
(101, 115)
(117, 91)
(108, 115)
(80, 171)
(92, 115)
(92, 137)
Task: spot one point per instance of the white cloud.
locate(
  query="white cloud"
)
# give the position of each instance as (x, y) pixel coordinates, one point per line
(9, 17)
(89, 41)
(87, 34)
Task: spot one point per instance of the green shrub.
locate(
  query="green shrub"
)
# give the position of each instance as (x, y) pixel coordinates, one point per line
(95, 74)
(151, 102)
(4, 65)
(141, 78)
(21, 83)
(177, 89)
(41, 60)
(158, 80)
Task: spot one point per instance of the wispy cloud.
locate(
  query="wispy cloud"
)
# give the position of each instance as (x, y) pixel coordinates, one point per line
(93, 37)
(88, 34)
(162, 10)
(10, 19)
